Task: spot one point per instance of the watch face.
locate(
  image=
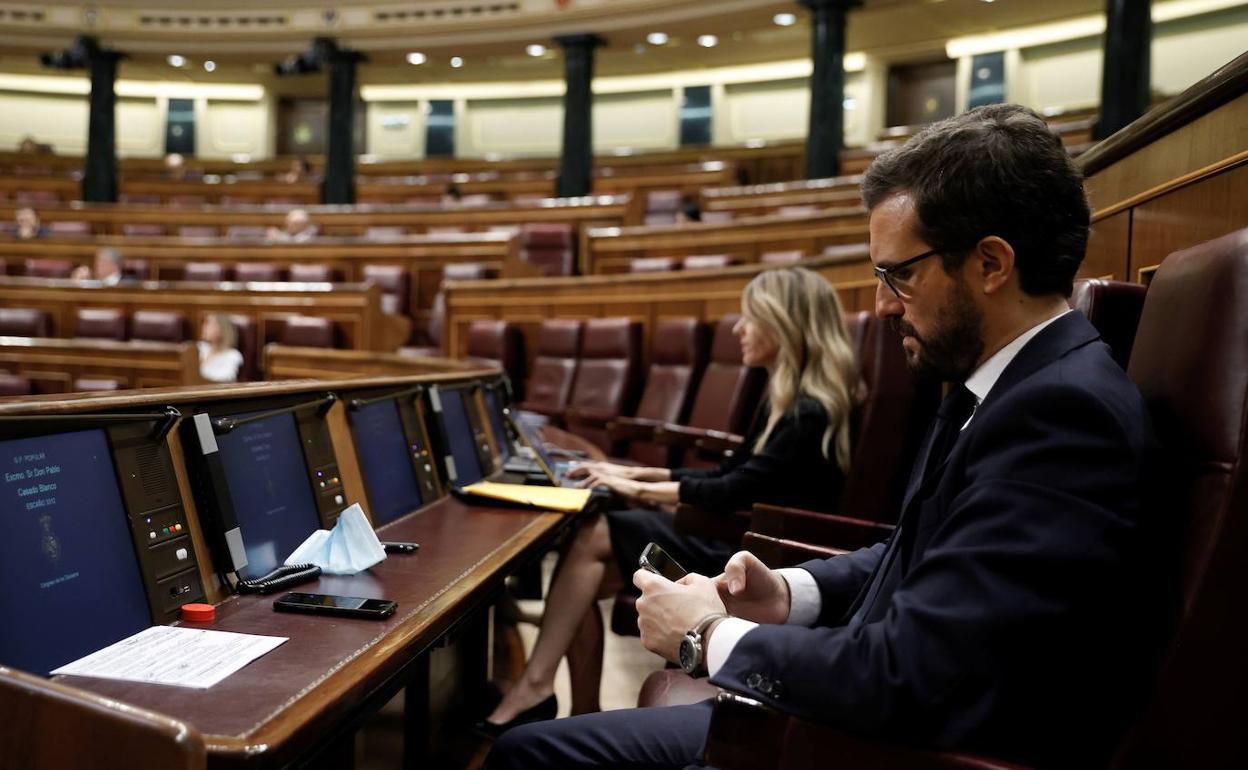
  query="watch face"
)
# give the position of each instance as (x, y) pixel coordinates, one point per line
(688, 655)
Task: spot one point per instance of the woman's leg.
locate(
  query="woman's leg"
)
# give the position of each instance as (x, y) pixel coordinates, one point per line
(573, 592)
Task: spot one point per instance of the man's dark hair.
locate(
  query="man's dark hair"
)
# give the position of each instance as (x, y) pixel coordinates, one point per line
(995, 170)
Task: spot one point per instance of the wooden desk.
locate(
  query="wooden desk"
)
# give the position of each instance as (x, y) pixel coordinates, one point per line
(287, 362)
(758, 199)
(612, 250)
(354, 308)
(52, 365)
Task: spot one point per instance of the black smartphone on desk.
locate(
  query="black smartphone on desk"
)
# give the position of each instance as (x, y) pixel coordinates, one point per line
(347, 606)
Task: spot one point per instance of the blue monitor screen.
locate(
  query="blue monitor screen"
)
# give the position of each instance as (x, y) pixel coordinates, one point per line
(496, 423)
(69, 575)
(459, 434)
(270, 488)
(385, 459)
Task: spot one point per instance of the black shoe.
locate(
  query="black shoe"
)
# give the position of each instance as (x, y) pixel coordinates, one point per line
(547, 709)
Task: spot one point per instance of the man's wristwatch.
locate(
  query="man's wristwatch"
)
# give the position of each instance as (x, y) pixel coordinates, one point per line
(693, 646)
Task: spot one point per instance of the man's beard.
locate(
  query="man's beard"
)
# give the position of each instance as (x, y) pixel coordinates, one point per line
(952, 350)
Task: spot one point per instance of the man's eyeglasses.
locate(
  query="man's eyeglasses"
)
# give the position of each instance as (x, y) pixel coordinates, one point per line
(898, 277)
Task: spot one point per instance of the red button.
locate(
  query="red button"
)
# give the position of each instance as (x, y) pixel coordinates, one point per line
(199, 613)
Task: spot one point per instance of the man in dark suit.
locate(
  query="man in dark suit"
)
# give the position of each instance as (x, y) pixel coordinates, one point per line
(1008, 612)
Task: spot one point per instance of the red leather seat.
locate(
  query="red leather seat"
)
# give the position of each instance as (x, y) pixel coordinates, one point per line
(678, 350)
(394, 284)
(716, 217)
(786, 257)
(498, 343)
(550, 246)
(257, 271)
(1114, 309)
(309, 332)
(661, 206)
(248, 346)
(311, 273)
(197, 231)
(142, 229)
(13, 385)
(91, 384)
(709, 261)
(607, 382)
(245, 232)
(383, 233)
(69, 228)
(25, 322)
(653, 265)
(188, 201)
(158, 326)
(144, 198)
(135, 269)
(37, 196)
(210, 272)
(49, 268)
(554, 370)
(100, 323)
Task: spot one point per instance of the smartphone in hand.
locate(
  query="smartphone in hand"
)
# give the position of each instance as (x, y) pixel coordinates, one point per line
(657, 560)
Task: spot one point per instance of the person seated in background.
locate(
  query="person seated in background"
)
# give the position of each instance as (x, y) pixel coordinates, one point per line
(796, 453)
(219, 358)
(1017, 608)
(106, 268)
(27, 225)
(29, 146)
(299, 170)
(298, 228)
(175, 167)
(689, 211)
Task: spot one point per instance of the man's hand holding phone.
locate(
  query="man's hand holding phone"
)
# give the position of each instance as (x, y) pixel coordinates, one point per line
(667, 609)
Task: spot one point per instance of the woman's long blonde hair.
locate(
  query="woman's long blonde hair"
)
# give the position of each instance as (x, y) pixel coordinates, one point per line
(801, 312)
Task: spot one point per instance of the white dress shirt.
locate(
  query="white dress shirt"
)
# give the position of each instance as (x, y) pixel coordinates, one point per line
(805, 602)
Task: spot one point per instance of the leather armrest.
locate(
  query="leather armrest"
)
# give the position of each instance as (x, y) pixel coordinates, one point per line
(632, 429)
(728, 527)
(817, 529)
(708, 441)
(745, 734)
(777, 552)
(555, 415)
(590, 417)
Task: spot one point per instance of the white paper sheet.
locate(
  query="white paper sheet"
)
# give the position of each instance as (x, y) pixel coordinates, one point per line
(184, 657)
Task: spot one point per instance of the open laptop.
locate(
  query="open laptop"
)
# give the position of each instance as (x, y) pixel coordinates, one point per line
(554, 471)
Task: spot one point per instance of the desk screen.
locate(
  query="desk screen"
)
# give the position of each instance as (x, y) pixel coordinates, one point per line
(271, 490)
(459, 435)
(386, 460)
(69, 575)
(496, 423)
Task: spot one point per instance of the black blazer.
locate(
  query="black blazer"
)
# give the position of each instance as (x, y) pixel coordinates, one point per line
(790, 470)
(1011, 616)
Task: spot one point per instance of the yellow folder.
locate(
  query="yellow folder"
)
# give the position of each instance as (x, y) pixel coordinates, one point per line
(549, 498)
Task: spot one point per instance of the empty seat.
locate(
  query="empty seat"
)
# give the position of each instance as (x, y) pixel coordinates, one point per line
(142, 229)
(257, 271)
(475, 200)
(13, 385)
(69, 228)
(662, 205)
(187, 200)
(608, 377)
(204, 271)
(248, 345)
(786, 257)
(550, 246)
(197, 231)
(49, 268)
(311, 273)
(386, 233)
(135, 269)
(158, 326)
(394, 284)
(37, 196)
(467, 271)
(847, 250)
(24, 322)
(309, 332)
(89, 384)
(653, 265)
(678, 350)
(708, 261)
(729, 390)
(1114, 308)
(716, 217)
(245, 232)
(498, 343)
(100, 323)
(554, 369)
(143, 198)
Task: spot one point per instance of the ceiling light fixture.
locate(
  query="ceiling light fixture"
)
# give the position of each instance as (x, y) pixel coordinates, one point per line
(210, 66)
(708, 41)
(535, 49)
(657, 38)
(416, 57)
(175, 60)
(457, 62)
(784, 19)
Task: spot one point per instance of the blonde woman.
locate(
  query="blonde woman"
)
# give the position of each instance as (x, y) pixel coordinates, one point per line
(796, 453)
(219, 359)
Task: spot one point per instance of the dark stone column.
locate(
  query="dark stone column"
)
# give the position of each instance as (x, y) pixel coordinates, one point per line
(1125, 76)
(339, 183)
(99, 178)
(826, 135)
(576, 160)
